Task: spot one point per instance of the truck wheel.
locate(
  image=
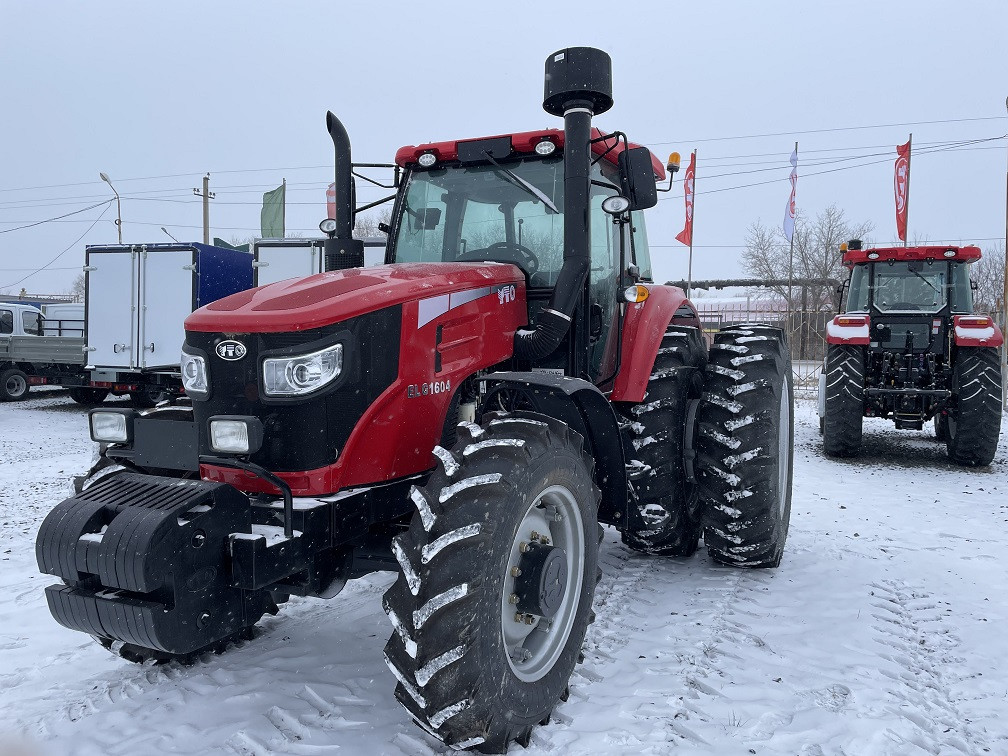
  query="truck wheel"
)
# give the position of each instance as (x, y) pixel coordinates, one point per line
(974, 421)
(13, 385)
(744, 446)
(844, 400)
(665, 518)
(147, 397)
(88, 397)
(498, 572)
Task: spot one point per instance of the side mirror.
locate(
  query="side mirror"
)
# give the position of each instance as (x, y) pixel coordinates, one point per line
(974, 285)
(637, 178)
(429, 218)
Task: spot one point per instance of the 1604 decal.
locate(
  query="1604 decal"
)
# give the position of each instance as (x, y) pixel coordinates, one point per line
(425, 389)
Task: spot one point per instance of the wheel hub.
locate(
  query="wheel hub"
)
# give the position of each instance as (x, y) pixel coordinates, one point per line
(542, 580)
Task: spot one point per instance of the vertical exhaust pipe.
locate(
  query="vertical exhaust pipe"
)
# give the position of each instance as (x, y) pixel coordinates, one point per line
(578, 86)
(342, 250)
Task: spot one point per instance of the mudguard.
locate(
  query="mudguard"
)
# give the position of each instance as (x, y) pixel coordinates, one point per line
(583, 407)
(976, 331)
(643, 329)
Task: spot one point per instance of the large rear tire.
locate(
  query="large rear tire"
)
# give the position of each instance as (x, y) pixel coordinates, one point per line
(665, 518)
(744, 446)
(13, 385)
(844, 400)
(973, 422)
(508, 513)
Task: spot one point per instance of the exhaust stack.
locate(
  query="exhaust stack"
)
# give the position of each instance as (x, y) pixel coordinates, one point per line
(342, 250)
(578, 86)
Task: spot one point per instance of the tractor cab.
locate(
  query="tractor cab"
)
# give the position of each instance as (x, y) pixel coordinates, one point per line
(501, 199)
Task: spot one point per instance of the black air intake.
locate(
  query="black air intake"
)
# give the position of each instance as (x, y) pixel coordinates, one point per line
(578, 86)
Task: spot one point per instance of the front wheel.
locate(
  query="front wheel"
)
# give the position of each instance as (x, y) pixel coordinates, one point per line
(744, 450)
(88, 397)
(498, 572)
(13, 385)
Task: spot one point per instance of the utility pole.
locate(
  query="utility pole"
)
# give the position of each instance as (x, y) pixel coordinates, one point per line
(1004, 303)
(207, 195)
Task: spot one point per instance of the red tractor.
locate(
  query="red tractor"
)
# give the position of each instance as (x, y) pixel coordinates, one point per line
(467, 415)
(908, 346)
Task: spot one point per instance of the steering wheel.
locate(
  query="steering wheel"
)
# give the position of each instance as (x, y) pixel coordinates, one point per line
(521, 255)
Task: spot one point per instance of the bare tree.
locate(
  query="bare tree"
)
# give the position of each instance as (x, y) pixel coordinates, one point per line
(366, 224)
(988, 274)
(816, 254)
(76, 289)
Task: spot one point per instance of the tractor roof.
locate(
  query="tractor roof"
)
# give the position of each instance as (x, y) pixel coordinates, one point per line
(885, 254)
(523, 143)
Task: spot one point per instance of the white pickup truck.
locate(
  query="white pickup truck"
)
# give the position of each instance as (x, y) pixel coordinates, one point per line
(30, 358)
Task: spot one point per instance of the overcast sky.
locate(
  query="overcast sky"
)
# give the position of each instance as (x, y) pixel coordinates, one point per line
(156, 95)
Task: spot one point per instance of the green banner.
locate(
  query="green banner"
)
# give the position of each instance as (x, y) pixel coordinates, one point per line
(218, 242)
(272, 216)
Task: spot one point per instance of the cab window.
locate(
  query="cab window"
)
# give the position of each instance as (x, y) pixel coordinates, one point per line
(32, 323)
(6, 321)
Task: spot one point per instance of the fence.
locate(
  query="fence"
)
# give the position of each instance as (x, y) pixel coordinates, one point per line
(806, 331)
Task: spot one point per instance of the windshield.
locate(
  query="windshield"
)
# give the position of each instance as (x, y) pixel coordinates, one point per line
(476, 213)
(32, 323)
(909, 286)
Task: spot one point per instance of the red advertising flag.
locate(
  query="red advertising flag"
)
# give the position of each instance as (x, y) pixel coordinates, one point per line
(330, 199)
(686, 235)
(901, 187)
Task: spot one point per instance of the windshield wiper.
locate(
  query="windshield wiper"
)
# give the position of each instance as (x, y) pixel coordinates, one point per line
(925, 280)
(523, 184)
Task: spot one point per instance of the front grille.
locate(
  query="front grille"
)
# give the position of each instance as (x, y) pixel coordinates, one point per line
(302, 433)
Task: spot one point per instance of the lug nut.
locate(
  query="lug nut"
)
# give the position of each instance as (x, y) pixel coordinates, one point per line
(558, 517)
(545, 540)
(534, 536)
(513, 598)
(529, 619)
(519, 617)
(516, 571)
(523, 547)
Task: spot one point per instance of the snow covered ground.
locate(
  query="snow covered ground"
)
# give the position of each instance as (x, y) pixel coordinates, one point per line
(883, 632)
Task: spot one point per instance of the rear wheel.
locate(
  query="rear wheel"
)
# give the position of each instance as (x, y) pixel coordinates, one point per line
(88, 396)
(744, 446)
(974, 421)
(665, 517)
(844, 400)
(147, 396)
(13, 385)
(498, 571)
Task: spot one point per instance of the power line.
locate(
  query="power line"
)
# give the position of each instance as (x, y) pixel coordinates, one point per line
(71, 246)
(58, 217)
(833, 129)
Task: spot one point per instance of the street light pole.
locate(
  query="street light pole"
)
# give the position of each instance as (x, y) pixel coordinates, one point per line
(170, 236)
(104, 177)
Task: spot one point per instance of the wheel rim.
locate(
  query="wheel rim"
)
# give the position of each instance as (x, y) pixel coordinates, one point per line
(783, 450)
(16, 385)
(533, 649)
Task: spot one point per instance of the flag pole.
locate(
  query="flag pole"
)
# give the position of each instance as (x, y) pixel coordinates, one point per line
(692, 222)
(790, 282)
(906, 236)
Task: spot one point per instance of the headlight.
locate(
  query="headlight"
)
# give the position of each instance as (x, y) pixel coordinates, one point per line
(111, 427)
(296, 376)
(194, 375)
(236, 435)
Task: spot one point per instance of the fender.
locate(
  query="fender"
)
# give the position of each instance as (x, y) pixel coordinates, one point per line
(976, 331)
(585, 409)
(848, 329)
(643, 328)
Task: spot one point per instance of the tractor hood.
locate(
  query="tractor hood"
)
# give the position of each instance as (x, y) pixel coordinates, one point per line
(320, 300)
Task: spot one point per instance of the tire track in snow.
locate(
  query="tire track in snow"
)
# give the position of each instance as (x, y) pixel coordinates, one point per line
(911, 624)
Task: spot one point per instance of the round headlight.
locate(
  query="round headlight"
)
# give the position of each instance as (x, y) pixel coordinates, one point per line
(328, 226)
(616, 204)
(545, 147)
(427, 159)
(873, 255)
(949, 253)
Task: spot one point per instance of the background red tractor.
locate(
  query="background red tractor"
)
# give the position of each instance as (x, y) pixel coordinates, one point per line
(468, 415)
(908, 346)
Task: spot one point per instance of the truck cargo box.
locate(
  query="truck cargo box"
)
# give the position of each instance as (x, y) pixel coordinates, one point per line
(137, 297)
(280, 259)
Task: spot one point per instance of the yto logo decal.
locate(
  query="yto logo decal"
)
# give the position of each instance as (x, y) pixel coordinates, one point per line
(506, 294)
(231, 350)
